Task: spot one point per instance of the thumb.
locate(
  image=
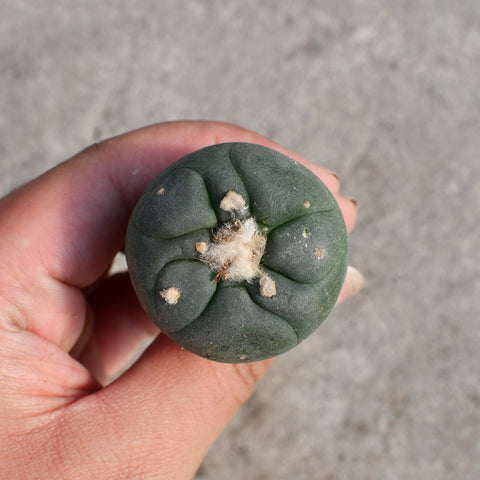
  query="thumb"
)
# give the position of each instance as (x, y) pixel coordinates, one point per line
(161, 416)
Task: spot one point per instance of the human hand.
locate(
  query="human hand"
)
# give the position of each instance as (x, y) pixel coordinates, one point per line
(67, 327)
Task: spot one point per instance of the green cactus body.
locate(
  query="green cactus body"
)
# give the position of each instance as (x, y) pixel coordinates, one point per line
(237, 252)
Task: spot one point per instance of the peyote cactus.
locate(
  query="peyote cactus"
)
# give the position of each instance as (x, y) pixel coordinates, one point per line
(237, 252)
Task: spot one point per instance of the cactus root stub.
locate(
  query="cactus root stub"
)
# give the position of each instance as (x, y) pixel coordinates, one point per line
(237, 252)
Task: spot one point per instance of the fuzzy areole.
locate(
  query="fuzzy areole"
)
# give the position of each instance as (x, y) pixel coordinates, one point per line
(237, 252)
(237, 247)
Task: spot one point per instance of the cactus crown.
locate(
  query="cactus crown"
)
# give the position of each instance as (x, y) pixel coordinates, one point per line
(237, 247)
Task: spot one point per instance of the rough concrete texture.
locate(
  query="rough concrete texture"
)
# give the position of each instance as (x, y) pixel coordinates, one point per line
(387, 94)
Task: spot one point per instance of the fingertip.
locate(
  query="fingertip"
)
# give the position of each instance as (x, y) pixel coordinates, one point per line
(353, 284)
(349, 208)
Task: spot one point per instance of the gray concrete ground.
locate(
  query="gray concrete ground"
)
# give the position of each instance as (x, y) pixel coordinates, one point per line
(387, 94)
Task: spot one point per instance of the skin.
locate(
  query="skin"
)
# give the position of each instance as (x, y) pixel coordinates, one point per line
(66, 327)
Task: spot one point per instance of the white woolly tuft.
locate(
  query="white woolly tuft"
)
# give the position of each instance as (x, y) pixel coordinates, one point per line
(236, 251)
(233, 201)
(170, 295)
(267, 286)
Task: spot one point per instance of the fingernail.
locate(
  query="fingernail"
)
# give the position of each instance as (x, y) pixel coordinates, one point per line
(353, 200)
(354, 280)
(334, 174)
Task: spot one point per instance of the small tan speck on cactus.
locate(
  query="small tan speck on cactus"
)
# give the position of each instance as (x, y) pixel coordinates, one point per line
(170, 295)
